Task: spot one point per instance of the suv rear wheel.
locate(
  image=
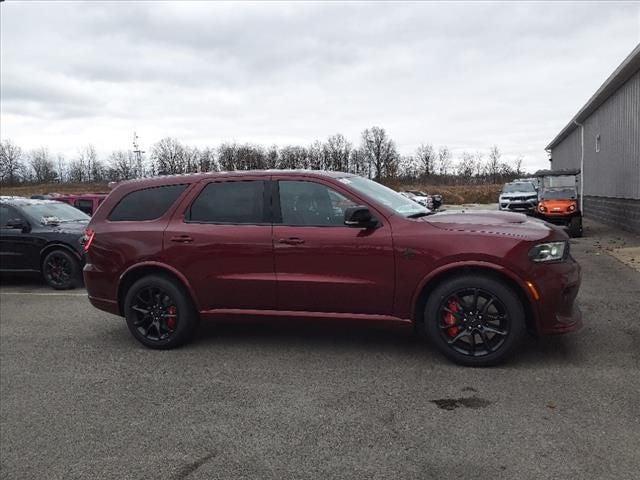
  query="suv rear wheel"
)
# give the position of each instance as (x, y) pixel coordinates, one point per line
(61, 270)
(159, 312)
(474, 320)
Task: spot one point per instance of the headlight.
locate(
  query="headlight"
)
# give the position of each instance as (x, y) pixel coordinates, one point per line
(548, 252)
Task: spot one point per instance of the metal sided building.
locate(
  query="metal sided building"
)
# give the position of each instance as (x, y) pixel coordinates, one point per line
(603, 141)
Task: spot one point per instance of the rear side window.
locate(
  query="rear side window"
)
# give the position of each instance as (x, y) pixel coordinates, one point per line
(85, 205)
(230, 202)
(147, 204)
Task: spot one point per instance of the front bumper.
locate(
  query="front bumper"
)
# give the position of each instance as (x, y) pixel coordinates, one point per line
(558, 285)
(526, 207)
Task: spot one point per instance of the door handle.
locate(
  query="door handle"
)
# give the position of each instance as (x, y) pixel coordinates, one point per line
(291, 241)
(182, 239)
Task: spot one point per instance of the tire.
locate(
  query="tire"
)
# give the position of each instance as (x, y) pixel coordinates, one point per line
(456, 334)
(61, 270)
(171, 319)
(575, 227)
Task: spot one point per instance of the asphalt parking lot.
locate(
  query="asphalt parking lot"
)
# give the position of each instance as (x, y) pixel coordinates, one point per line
(82, 399)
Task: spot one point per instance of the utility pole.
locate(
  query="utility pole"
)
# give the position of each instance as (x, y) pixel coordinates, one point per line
(138, 154)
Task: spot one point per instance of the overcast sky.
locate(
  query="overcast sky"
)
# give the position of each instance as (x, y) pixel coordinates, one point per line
(466, 75)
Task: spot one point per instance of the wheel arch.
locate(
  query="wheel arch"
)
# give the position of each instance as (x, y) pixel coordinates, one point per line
(431, 281)
(136, 272)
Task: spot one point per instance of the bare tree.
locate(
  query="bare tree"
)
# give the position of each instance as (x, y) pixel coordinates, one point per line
(207, 161)
(518, 165)
(271, 157)
(466, 166)
(122, 165)
(380, 153)
(337, 152)
(11, 166)
(493, 165)
(410, 167)
(43, 168)
(426, 158)
(169, 156)
(444, 160)
(317, 160)
(293, 156)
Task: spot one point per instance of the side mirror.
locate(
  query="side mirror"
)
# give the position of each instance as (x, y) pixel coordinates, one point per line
(359, 217)
(18, 224)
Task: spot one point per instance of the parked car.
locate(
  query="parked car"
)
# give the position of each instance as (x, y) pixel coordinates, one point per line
(42, 236)
(559, 202)
(165, 252)
(519, 197)
(435, 200)
(87, 202)
(425, 201)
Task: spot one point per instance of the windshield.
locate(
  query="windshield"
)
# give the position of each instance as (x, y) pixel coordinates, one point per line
(54, 212)
(384, 195)
(559, 193)
(518, 187)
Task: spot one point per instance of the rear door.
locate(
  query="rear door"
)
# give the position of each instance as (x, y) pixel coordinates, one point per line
(221, 240)
(321, 264)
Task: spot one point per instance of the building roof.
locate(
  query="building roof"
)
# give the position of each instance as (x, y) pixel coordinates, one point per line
(626, 70)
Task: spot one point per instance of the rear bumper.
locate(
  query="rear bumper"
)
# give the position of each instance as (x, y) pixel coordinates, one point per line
(106, 305)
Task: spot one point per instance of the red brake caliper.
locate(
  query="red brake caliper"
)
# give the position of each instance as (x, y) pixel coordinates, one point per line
(171, 321)
(450, 319)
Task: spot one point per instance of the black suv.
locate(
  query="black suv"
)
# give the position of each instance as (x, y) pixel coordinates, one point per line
(42, 236)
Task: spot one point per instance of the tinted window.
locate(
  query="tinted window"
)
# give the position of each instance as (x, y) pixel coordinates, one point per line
(146, 204)
(8, 213)
(309, 203)
(85, 205)
(230, 202)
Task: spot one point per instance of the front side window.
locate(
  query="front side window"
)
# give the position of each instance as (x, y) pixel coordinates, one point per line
(147, 204)
(7, 213)
(234, 202)
(311, 204)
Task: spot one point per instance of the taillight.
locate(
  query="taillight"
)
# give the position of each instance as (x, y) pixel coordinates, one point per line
(542, 208)
(87, 239)
(571, 208)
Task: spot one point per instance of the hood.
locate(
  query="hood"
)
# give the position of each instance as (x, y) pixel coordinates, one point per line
(490, 222)
(518, 194)
(69, 227)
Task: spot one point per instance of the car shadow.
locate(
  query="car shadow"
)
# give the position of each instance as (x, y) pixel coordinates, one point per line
(534, 351)
(27, 280)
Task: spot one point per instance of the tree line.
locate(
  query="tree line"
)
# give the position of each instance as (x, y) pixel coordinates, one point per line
(376, 156)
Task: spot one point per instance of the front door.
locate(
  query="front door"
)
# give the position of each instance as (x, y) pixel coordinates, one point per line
(18, 250)
(221, 240)
(321, 264)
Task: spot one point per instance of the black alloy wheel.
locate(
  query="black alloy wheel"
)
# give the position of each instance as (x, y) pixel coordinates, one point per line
(473, 322)
(475, 319)
(159, 312)
(156, 312)
(61, 270)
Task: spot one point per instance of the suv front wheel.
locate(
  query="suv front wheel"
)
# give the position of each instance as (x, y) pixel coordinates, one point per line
(474, 320)
(159, 312)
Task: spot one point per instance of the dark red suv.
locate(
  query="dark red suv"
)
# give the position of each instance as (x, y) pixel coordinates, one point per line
(167, 251)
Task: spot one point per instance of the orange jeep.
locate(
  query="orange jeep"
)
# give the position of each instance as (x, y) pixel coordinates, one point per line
(558, 200)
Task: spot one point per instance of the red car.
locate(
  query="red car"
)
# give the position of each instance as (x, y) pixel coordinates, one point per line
(87, 202)
(168, 251)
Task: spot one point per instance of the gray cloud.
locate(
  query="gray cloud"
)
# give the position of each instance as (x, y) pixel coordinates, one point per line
(462, 74)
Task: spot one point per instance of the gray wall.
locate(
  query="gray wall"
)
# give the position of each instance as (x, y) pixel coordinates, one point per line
(623, 213)
(614, 172)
